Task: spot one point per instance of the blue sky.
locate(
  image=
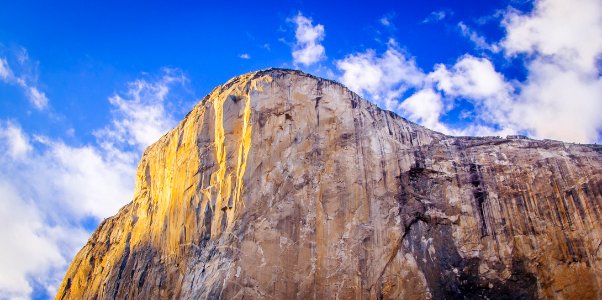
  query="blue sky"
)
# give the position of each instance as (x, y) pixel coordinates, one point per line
(85, 86)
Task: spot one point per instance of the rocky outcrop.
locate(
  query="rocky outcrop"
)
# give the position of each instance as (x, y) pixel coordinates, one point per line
(282, 185)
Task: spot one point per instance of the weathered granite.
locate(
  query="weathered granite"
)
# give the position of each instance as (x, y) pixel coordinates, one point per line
(283, 185)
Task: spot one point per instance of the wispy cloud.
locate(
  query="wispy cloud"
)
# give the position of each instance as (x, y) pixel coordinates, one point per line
(387, 20)
(5, 71)
(27, 82)
(437, 16)
(37, 98)
(478, 40)
(140, 114)
(307, 49)
(245, 56)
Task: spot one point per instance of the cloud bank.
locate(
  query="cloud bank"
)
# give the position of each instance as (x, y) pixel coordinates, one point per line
(560, 48)
(51, 190)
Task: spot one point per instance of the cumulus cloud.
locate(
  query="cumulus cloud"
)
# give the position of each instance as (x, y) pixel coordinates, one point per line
(307, 49)
(476, 80)
(470, 78)
(561, 97)
(425, 107)
(542, 106)
(381, 78)
(245, 56)
(568, 32)
(27, 82)
(561, 104)
(39, 174)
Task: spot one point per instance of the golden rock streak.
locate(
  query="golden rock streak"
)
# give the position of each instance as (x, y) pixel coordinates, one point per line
(217, 178)
(227, 197)
(243, 153)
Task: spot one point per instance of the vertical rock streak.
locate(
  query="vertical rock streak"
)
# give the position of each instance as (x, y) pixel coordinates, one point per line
(220, 184)
(226, 184)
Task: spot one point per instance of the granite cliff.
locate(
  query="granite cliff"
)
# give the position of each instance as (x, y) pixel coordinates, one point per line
(282, 185)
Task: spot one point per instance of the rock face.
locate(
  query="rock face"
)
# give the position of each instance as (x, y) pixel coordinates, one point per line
(282, 185)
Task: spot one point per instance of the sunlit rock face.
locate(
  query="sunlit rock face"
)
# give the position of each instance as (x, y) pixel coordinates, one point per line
(282, 185)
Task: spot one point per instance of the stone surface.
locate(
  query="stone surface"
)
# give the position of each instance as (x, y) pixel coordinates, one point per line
(282, 185)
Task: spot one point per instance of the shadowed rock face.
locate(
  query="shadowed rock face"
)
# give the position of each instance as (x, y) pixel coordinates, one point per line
(282, 185)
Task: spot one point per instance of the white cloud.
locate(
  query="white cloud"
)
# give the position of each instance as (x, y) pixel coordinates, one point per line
(567, 31)
(380, 78)
(37, 98)
(16, 143)
(36, 243)
(307, 49)
(384, 79)
(80, 177)
(561, 97)
(39, 174)
(560, 104)
(476, 80)
(425, 107)
(141, 116)
(245, 56)
(27, 248)
(552, 103)
(560, 45)
(470, 78)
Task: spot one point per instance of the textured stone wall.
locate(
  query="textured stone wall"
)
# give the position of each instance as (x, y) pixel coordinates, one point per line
(282, 185)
